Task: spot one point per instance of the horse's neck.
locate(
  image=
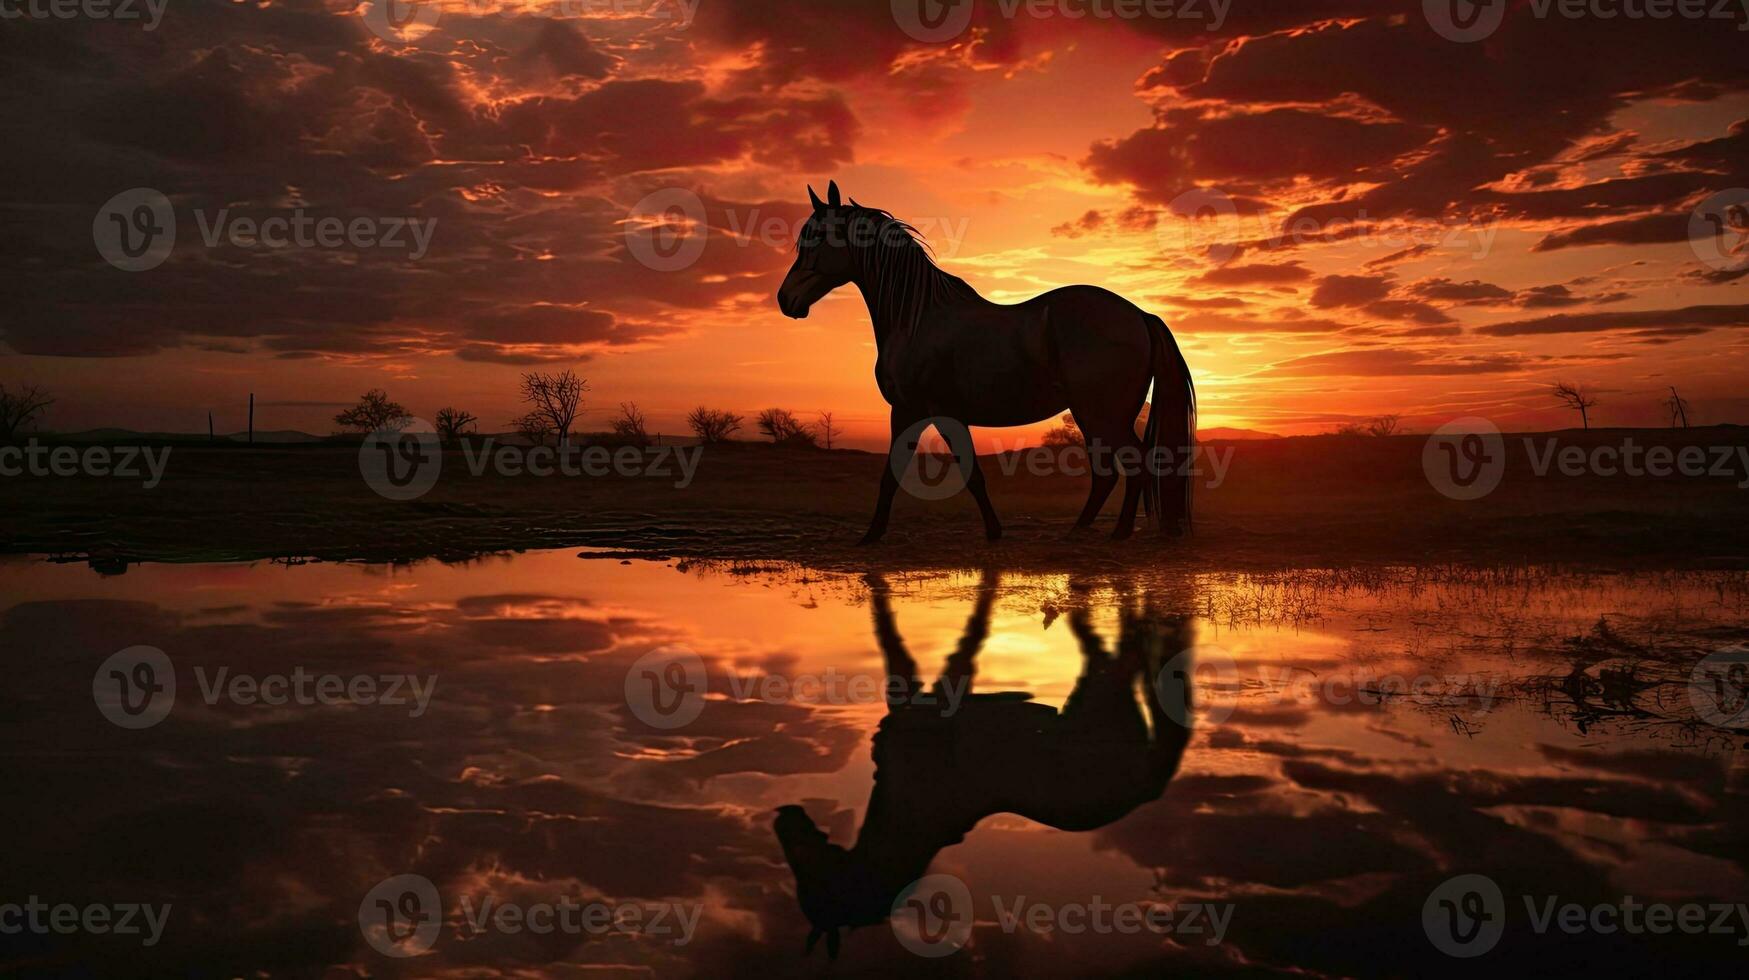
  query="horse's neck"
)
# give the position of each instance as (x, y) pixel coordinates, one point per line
(901, 286)
(899, 839)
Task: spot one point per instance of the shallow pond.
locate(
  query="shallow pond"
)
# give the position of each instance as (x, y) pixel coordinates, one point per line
(546, 765)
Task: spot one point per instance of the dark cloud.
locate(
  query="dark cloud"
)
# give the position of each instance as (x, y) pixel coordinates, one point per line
(1260, 273)
(1333, 291)
(1656, 321)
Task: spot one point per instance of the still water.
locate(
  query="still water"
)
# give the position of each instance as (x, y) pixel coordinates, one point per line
(543, 765)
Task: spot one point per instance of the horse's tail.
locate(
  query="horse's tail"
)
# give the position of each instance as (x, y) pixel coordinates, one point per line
(1168, 497)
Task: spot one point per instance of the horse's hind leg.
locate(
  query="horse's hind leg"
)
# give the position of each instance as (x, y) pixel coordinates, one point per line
(1112, 449)
(1104, 481)
(975, 483)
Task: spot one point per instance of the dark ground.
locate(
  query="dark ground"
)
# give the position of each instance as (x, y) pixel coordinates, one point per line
(1320, 500)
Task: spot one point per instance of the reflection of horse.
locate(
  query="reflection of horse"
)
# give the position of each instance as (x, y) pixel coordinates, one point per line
(938, 772)
(947, 355)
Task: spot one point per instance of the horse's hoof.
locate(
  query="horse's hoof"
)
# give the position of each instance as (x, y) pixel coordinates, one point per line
(992, 534)
(869, 539)
(1122, 534)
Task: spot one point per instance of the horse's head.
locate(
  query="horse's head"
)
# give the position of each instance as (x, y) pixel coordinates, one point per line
(823, 255)
(835, 888)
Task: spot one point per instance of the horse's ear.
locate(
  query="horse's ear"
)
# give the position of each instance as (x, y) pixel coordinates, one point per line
(832, 194)
(814, 198)
(832, 938)
(813, 939)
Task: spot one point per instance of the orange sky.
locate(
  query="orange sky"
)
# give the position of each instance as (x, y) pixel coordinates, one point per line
(1490, 187)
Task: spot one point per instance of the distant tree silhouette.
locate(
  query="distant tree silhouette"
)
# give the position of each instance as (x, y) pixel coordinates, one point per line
(374, 413)
(1678, 408)
(713, 424)
(534, 427)
(780, 425)
(628, 426)
(557, 398)
(20, 408)
(1577, 398)
(827, 431)
(452, 422)
(1378, 425)
(1066, 434)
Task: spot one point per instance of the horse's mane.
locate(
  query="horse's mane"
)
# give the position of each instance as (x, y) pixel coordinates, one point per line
(901, 279)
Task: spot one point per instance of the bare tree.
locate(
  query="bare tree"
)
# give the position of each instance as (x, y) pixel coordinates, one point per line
(1383, 425)
(628, 426)
(713, 424)
(1377, 425)
(782, 426)
(1577, 398)
(1678, 408)
(534, 427)
(555, 397)
(21, 408)
(374, 413)
(827, 431)
(452, 422)
(1067, 434)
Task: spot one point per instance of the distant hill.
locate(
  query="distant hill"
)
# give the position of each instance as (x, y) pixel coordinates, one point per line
(1228, 432)
(281, 436)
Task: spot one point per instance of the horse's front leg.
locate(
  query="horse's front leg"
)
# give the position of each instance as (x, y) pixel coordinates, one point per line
(898, 458)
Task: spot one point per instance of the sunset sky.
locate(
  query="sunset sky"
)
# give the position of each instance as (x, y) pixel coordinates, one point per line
(1476, 219)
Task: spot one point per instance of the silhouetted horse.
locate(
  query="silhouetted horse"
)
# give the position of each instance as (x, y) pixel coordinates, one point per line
(946, 352)
(938, 774)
